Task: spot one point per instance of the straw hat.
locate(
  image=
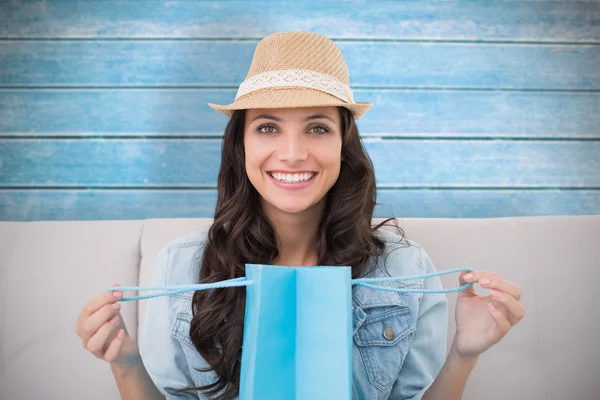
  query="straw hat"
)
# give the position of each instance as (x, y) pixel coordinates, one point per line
(296, 69)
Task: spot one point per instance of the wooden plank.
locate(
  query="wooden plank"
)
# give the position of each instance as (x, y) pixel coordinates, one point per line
(485, 203)
(398, 163)
(413, 20)
(217, 63)
(57, 205)
(148, 112)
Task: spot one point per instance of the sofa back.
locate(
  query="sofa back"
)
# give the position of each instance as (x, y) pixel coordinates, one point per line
(49, 270)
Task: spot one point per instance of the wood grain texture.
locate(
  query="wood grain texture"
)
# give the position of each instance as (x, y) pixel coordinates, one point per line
(181, 112)
(481, 109)
(56, 205)
(413, 20)
(398, 163)
(372, 64)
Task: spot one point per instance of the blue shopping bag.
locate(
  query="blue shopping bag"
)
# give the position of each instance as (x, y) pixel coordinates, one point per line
(297, 333)
(297, 342)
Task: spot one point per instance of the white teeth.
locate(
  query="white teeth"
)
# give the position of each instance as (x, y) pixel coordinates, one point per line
(292, 178)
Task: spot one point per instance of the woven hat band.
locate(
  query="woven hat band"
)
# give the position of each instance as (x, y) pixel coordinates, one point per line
(297, 78)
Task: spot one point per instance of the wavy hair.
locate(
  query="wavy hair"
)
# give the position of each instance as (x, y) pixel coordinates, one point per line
(241, 233)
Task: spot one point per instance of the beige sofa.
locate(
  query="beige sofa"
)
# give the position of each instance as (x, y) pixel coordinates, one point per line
(49, 270)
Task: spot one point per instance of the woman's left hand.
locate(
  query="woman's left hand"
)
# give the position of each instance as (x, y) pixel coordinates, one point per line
(482, 321)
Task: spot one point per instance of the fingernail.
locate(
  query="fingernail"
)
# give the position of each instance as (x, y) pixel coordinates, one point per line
(117, 293)
(496, 294)
(116, 306)
(468, 277)
(484, 281)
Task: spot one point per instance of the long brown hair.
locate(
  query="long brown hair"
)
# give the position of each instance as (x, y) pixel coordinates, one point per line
(242, 234)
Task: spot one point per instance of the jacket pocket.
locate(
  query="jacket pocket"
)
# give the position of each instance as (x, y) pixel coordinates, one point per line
(181, 328)
(383, 340)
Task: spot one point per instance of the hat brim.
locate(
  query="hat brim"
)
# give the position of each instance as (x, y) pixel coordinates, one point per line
(290, 98)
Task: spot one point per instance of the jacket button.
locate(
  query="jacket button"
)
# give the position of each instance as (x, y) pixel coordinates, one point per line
(388, 333)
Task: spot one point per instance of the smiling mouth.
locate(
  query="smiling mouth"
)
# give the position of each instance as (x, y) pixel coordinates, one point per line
(292, 178)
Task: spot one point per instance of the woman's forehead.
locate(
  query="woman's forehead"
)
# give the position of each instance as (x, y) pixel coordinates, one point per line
(292, 114)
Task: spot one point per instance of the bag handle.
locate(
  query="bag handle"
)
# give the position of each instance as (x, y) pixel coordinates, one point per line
(176, 289)
(366, 282)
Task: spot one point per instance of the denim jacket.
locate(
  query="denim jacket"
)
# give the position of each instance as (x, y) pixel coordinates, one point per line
(398, 364)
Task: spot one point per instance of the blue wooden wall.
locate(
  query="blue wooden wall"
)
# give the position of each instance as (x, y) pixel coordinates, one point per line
(481, 109)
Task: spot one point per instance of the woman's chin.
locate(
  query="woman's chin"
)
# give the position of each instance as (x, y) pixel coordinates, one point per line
(291, 207)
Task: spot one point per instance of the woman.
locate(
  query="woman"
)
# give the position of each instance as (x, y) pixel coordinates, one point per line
(296, 188)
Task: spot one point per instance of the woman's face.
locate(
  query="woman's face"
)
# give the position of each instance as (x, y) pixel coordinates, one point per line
(293, 155)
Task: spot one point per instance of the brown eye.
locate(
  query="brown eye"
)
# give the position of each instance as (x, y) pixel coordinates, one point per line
(260, 128)
(322, 129)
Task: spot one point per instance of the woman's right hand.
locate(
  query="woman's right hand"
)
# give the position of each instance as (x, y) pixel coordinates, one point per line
(103, 332)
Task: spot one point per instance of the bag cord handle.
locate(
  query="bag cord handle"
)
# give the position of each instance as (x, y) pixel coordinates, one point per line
(366, 282)
(177, 289)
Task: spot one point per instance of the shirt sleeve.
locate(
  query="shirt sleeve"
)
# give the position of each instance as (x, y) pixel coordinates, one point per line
(161, 353)
(427, 353)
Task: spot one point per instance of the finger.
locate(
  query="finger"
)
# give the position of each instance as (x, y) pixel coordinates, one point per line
(501, 307)
(115, 347)
(98, 319)
(515, 310)
(97, 303)
(501, 321)
(97, 343)
(503, 285)
(468, 291)
(475, 276)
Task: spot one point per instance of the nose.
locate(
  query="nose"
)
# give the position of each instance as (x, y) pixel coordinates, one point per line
(292, 149)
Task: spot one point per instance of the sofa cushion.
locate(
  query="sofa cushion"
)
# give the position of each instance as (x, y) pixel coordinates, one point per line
(50, 272)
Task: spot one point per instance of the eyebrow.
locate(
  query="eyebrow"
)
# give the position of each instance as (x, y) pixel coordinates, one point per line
(309, 118)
